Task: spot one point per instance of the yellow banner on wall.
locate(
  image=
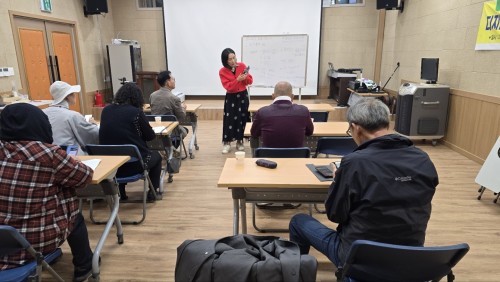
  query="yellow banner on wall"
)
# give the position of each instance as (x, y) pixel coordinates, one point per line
(488, 35)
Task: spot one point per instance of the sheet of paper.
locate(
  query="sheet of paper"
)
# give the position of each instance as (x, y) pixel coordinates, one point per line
(92, 163)
(158, 129)
(87, 117)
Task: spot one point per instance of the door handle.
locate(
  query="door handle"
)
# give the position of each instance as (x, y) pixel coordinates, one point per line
(51, 66)
(57, 68)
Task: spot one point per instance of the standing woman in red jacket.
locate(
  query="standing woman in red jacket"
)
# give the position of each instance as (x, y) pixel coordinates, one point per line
(235, 78)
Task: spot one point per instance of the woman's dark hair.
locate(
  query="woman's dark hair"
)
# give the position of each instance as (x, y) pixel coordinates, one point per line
(163, 77)
(225, 55)
(130, 94)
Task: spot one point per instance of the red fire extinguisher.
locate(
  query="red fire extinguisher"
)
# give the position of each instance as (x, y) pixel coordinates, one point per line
(98, 99)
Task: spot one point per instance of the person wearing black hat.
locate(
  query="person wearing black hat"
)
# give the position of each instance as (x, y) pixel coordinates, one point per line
(37, 189)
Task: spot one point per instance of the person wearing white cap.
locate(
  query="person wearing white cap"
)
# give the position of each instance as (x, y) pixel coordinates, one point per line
(69, 127)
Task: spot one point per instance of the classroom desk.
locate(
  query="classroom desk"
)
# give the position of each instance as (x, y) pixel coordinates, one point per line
(356, 96)
(190, 120)
(321, 129)
(41, 104)
(291, 181)
(102, 179)
(163, 144)
(169, 126)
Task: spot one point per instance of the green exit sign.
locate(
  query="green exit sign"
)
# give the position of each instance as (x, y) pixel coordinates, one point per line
(46, 5)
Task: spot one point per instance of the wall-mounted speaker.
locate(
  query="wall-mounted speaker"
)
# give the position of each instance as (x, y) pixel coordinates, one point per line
(94, 7)
(387, 4)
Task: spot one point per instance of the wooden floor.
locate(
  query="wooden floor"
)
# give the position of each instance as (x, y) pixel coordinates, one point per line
(193, 207)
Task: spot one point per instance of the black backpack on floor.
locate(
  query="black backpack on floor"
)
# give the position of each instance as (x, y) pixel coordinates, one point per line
(243, 258)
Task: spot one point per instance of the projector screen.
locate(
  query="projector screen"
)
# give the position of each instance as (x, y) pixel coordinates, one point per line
(196, 32)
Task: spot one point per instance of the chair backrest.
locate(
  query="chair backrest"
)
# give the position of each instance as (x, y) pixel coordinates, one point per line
(374, 261)
(163, 117)
(302, 152)
(120, 150)
(319, 116)
(339, 146)
(12, 241)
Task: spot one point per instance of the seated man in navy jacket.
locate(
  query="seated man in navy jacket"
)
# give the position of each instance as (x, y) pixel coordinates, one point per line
(382, 191)
(282, 124)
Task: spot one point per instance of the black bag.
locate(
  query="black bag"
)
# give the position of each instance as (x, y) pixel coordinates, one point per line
(174, 164)
(243, 258)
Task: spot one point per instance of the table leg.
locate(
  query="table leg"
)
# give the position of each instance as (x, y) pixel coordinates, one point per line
(236, 215)
(113, 219)
(193, 142)
(243, 207)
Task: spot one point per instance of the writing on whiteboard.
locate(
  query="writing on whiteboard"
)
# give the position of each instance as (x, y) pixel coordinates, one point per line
(275, 58)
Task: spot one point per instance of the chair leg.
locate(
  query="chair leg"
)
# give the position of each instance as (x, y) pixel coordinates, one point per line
(184, 149)
(481, 191)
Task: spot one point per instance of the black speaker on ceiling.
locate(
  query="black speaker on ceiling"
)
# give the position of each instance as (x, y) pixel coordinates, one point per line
(95, 7)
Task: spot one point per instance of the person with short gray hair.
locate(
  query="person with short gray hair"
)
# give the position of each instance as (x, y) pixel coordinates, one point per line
(381, 192)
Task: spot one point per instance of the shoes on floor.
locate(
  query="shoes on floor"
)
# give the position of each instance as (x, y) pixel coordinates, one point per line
(81, 274)
(150, 197)
(226, 148)
(240, 146)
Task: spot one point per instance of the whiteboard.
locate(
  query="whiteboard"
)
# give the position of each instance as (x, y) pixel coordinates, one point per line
(488, 175)
(274, 58)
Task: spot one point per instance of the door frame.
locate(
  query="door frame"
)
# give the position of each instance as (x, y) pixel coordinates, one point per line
(20, 59)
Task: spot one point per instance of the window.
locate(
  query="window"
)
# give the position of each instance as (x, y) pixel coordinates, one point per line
(149, 4)
(345, 3)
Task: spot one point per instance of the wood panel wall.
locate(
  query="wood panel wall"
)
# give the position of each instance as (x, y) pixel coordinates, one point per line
(473, 124)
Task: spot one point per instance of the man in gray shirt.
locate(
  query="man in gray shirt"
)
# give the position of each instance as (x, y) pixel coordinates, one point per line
(164, 102)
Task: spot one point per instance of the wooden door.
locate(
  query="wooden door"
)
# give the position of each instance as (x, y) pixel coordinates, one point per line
(61, 40)
(35, 54)
(48, 54)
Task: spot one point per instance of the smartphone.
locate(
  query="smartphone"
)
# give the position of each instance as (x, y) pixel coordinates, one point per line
(246, 70)
(72, 150)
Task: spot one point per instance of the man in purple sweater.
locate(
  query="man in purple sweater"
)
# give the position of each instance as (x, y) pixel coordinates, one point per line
(282, 124)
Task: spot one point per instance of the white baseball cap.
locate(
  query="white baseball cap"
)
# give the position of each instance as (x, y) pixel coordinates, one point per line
(60, 89)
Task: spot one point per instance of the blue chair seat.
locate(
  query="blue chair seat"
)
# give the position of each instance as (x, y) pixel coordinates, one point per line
(23, 272)
(131, 178)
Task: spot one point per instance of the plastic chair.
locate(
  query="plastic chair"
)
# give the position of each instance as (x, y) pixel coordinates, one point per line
(374, 261)
(319, 116)
(302, 152)
(175, 137)
(339, 146)
(135, 161)
(12, 241)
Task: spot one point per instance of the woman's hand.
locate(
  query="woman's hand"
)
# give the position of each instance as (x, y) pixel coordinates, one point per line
(241, 77)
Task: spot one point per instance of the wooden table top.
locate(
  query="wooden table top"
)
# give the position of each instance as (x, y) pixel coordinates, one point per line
(106, 167)
(321, 129)
(312, 107)
(190, 108)
(290, 173)
(169, 126)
